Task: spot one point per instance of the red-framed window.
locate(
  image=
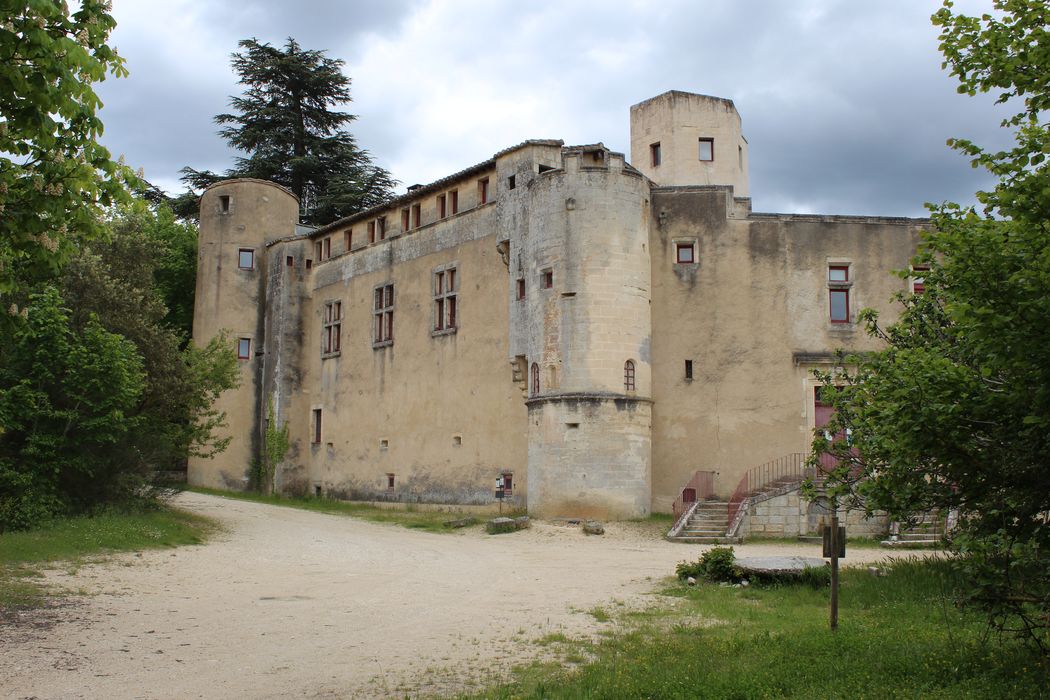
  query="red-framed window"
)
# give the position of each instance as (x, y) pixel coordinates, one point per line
(918, 279)
(383, 326)
(404, 220)
(246, 258)
(381, 227)
(483, 190)
(371, 232)
(244, 348)
(685, 252)
(289, 261)
(453, 201)
(838, 293)
(628, 375)
(441, 206)
(508, 483)
(548, 279)
(521, 289)
(707, 149)
(534, 375)
(417, 215)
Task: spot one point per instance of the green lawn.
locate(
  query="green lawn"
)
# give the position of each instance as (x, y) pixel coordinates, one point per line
(72, 540)
(405, 516)
(899, 637)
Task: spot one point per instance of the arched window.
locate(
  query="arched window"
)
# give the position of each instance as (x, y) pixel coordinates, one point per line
(628, 375)
(535, 379)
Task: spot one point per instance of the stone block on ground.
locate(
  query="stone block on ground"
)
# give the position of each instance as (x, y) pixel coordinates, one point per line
(498, 526)
(461, 522)
(593, 527)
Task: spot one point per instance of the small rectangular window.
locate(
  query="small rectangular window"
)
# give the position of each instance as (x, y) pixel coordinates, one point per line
(483, 190)
(441, 206)
(417, 215)
(371, 232)
(309, 263)
(453, 201)
(224, 203)
(383, 316)
(548, 279)
(389, 480)
(685, 253)
(404, 220)
(707, 149)
(688, 369)
(381, 227)
(317, 426)
(348, 240)
(244, 348)
(521, 289)
(918, 279)
(508, 483)
(290, 261)
(838, 273)
(654, 154)
(327, 248)
(511, 182)
(838, 293)
(246, 259)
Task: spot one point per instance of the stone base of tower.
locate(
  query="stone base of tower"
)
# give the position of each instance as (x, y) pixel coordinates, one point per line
(590, 456)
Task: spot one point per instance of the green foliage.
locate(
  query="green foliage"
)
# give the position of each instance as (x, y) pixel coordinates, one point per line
(955, 413)
(716, 564)
(276, 442)
(67, 406)
(286, 124)
(55, 179)
(899, 637)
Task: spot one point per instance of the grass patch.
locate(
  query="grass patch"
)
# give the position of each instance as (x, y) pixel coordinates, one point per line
(851, 542)
(429, 521)
(899, 637)
(72, 540)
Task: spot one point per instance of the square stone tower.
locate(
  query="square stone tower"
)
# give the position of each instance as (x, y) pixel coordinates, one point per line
(680, 138)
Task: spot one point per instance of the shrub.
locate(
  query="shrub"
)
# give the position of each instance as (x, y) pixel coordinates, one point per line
(716, 564)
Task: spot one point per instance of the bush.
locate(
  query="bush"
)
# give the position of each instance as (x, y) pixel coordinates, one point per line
(716, 564)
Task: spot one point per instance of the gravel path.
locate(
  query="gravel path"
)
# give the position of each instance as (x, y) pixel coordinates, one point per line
(287, 602)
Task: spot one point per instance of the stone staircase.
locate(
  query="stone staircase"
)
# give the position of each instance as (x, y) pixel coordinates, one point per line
(926, 533)
(706, 525)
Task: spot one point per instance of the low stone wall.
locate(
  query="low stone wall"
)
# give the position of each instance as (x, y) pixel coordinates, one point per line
(789, 515)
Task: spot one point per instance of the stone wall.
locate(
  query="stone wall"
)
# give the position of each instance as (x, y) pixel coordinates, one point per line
(790, 515)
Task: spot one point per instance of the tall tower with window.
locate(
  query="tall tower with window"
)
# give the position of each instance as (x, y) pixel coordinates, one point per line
(681, 138)
(237, 220)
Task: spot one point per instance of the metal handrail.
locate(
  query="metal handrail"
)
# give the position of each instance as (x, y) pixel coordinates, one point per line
(703, 487)
(790, 467)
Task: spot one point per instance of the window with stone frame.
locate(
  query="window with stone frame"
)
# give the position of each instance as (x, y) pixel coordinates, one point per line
(707, 149)
(383, 316)
(445, 292)
(246, 258)
(331, 328)
(628, 376)
(685, 252)
(534, 376)
(839, 284)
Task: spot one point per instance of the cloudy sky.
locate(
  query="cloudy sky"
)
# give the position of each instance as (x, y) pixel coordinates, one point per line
(844, 103)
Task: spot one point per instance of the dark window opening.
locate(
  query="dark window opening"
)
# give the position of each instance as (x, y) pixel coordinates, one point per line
(404, 220)
(371, 232)
(535, 376)
(441, 206)
(508, 483)
(511, 182)
(548, 279)
(389, 482)
(688, 369)
(309, 263)
(317, 426)
(417, 215)
(483, 190)
(521, 289)
(289, 261)
(224, 203)
(453, 201)
(654, 154)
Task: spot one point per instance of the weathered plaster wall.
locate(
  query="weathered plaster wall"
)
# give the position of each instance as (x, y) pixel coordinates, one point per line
(751, 314)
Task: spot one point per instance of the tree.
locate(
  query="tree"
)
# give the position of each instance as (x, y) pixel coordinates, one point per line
(286, 124)
(955, 413)
(55, 178)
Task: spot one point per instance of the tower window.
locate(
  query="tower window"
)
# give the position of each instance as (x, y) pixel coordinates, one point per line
(317, 426)
(534, 375)
(381, 227)
(707, 149)
(548, 279)
(512, 182)
(654, 154)
(628, 375)
(689, 370)
(521, 289)
(348, 240)
(371, 232)
(244, 348)
(332, 328)
(685, 252)
(246, 259)
(224, 203)
(441, 206)
(404, 220)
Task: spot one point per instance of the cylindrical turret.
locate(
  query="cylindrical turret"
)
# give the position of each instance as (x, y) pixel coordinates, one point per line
(588, 320)
(237, 219)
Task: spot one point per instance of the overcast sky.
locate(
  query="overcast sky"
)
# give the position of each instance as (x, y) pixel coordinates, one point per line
(844, 103)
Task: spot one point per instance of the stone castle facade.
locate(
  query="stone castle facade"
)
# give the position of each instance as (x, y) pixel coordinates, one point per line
(595, 331)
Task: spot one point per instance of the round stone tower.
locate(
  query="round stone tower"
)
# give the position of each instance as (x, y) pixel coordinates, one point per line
(588, 281)
(237, 219)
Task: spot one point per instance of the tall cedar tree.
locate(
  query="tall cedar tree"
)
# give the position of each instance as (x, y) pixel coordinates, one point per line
(955, 413)
(286, 124)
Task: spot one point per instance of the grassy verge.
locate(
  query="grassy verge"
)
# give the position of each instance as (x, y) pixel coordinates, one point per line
(898, 638)
(430, 521)
(72, 540)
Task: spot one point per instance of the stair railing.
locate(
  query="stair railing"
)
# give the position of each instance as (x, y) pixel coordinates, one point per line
(698, 489)
(790, 468)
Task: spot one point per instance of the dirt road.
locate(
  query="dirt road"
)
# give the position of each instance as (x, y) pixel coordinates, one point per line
(287, 602)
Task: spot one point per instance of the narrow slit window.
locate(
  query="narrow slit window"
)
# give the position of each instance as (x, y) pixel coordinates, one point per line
(535, 379)
(348, 240)
(521, 289)
(654, 154)
(371, 232)
(417, 215)
(453, 201)
(381, 227)
(689, 369)
(390, 478)
(512, 182)
(317, 426)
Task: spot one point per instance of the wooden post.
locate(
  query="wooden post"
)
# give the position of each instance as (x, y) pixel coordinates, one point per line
(834, 568)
